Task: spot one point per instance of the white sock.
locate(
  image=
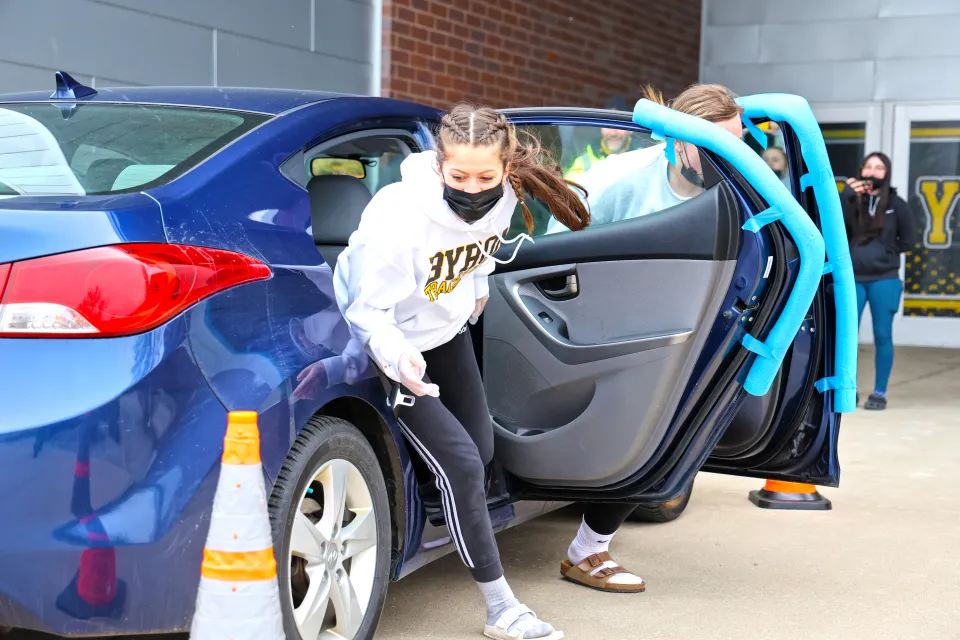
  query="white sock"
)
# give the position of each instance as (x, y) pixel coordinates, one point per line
(499, 598)
(587, 543)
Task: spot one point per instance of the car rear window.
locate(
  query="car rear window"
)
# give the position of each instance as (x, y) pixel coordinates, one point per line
(96, 149)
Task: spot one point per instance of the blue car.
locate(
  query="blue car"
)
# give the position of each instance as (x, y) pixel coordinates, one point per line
(166, 256)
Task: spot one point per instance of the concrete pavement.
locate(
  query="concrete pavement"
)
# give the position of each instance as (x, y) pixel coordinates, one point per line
(885, 563)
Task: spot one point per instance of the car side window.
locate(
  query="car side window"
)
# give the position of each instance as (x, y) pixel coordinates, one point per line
(775, 153)
(372, 158)
(623, 172)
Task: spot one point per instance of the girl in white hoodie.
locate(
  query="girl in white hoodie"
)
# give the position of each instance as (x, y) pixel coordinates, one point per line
(414, 274)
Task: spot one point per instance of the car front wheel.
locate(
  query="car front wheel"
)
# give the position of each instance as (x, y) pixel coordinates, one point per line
(331, 525)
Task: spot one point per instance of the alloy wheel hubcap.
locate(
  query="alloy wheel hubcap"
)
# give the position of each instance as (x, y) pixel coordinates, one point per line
(333, 553)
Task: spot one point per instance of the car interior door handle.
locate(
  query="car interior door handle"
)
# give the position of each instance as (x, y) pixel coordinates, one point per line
(562, 288)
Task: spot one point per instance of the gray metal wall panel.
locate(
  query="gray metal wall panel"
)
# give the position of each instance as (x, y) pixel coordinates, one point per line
(112, 82)
(243, 61)
(818, 41)
(916, 79)
(731, 45)
(898, 8)
(343, 28)
(837, 50)
(18, 77)
(779, 11)
(730, 12)
(171, 42)
(98, 39)
(843, 81)
(920, 37)
(282, 21)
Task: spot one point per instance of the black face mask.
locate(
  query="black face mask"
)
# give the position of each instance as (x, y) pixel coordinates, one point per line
(875, 182)
(689, 174)
(471, 207)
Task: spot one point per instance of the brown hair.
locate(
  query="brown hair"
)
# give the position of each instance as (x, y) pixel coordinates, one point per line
(712, 102)
(532, 170)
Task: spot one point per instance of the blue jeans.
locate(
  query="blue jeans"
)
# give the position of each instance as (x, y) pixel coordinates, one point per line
(884, 299)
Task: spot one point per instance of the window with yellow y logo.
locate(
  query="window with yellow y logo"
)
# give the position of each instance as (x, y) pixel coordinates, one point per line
(932, 283)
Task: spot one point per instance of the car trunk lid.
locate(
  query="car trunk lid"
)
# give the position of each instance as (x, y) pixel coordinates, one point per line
(32, 227)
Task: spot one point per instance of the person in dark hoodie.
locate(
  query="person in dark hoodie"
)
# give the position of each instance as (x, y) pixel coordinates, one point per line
(880, 227)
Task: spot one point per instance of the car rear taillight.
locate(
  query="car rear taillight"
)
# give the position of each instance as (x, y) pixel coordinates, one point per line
(115, 291)
(4, 271)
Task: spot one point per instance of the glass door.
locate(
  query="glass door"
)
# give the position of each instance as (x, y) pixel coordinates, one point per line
(926, 172)
(850, 132)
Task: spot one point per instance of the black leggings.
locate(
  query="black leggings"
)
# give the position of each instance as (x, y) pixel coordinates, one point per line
(606, 518)
(454, 436)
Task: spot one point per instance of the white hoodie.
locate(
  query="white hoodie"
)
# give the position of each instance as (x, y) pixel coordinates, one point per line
(412, 273)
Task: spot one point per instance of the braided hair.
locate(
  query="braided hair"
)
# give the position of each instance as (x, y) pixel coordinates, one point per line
(531, 169)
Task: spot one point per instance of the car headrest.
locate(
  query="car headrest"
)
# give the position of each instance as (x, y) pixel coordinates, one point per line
(336, 204)
(102, 173)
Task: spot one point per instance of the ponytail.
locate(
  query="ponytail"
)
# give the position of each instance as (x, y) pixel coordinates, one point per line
(533, 171)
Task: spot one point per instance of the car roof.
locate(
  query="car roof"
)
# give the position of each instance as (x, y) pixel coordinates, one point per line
(267, 101)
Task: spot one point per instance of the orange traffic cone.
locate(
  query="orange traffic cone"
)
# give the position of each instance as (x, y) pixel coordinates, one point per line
(789, 495)
(239, 597)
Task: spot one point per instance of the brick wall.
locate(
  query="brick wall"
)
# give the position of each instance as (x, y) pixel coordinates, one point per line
(537, 52)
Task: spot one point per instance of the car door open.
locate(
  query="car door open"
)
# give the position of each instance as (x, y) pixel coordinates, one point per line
(612, 356)
(600, 327)
(591, 337)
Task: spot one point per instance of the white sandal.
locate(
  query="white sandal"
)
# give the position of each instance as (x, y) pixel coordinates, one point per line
(501, 630)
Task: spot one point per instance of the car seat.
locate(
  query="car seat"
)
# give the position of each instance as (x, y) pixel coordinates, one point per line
(336, 204)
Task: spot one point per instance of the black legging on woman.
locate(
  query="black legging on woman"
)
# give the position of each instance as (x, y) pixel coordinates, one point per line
(606, 518)
(454, 436)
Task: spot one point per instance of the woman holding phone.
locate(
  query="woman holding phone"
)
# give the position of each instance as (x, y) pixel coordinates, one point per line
(880, 227)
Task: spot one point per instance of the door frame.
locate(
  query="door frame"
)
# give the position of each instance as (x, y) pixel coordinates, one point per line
(871, 114)
(917, 330)
(694, 422)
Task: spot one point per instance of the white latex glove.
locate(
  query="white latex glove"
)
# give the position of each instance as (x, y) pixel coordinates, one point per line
(478, 309)
(411, 368)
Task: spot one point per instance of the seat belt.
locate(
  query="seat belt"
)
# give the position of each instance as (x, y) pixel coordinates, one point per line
(396, 398)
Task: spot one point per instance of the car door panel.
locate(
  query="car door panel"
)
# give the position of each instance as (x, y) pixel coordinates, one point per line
(615, 350)
(546, 409)
(572, 326)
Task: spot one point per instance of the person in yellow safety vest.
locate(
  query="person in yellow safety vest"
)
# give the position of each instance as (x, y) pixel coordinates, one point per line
(612, 141)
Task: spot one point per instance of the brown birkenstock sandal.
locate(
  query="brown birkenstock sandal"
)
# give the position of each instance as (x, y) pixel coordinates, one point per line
(593, 574)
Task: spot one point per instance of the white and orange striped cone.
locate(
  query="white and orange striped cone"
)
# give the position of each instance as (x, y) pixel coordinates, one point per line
(239, 597)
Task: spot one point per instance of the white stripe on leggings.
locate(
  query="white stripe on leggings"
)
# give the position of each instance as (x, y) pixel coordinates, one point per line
(444, 498)
(446, 492)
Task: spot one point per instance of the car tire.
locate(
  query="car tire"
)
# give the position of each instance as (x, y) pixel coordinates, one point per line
(331, 453)
(663, 511)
